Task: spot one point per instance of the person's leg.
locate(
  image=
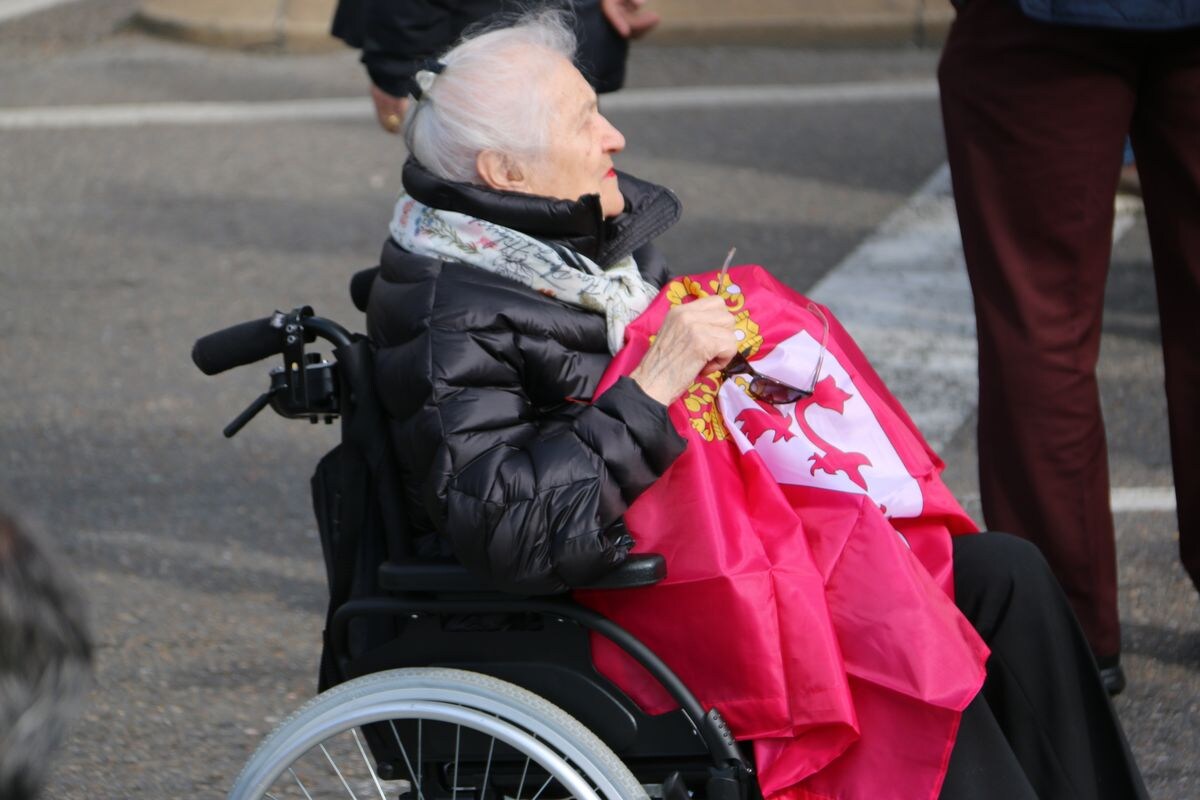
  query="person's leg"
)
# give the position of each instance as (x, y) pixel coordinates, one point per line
(1042, 685)
(1035, 117)
(1167, 132)
(982, 765)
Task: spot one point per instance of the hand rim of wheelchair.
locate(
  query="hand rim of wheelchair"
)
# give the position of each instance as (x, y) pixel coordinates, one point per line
(528, 723)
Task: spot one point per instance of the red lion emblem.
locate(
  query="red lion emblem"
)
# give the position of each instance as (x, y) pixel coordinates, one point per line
(829, 459)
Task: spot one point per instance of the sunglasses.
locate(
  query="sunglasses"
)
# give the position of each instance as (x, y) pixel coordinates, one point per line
(764, 387)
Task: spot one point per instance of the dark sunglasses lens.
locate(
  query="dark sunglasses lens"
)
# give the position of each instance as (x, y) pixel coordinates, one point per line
(774, 392)
(763, 387)
(736, 366)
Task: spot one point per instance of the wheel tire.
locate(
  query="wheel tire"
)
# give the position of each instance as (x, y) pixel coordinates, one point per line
(525, 722)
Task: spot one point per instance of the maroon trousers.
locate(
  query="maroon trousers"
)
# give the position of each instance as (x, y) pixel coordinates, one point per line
(1035, 118)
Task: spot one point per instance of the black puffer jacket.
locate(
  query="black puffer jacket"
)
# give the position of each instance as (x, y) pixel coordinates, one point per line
(487, 383)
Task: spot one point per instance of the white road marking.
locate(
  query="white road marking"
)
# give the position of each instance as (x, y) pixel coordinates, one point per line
(12, 9)
(1124, 499)
(141, 114)
(740, 96)
(203, 113)
(1143, 498)
(903, 295)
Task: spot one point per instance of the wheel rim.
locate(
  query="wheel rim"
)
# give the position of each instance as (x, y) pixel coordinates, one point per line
(566, 767)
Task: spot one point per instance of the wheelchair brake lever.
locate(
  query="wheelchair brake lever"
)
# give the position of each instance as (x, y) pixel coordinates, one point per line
(251, 411)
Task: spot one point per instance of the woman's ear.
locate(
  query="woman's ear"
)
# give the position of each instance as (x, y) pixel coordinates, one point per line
(500, 171)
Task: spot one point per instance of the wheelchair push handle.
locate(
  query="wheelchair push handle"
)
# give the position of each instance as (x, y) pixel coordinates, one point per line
(239, 344)
(306, 386)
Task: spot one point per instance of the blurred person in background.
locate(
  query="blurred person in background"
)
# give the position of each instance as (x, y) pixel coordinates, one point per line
(45, 657)
(1037, 100)
(396, 37)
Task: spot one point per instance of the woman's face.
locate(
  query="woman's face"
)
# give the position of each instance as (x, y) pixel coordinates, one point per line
(578, 160)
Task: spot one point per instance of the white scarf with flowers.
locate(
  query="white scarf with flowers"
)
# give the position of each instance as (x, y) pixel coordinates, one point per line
(619, 292)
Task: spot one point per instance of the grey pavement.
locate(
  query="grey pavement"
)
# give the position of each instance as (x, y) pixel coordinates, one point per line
(197, 555)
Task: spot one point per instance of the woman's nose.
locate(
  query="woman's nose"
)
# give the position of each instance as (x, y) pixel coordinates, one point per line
(612, 139)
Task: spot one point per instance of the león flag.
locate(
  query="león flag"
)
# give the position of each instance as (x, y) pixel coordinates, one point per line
(808, 594)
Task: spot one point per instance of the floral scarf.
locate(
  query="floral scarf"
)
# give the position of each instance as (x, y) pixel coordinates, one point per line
(619, 292)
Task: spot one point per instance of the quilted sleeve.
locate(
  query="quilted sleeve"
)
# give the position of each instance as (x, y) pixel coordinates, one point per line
(532, 496)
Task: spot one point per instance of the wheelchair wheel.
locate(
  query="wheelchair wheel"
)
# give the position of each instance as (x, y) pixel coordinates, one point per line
(433, 734)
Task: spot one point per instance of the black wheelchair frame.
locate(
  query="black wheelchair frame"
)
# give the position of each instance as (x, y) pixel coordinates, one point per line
(539, 643)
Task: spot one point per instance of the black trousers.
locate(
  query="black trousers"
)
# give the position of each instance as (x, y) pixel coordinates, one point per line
(1043, 726)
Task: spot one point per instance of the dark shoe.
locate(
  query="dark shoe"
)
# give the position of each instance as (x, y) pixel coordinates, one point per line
(1111, 674)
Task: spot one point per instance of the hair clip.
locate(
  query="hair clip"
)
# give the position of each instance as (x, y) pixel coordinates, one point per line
(424, 77)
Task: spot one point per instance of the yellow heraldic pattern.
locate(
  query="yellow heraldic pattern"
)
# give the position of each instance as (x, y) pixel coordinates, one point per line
(700, 399)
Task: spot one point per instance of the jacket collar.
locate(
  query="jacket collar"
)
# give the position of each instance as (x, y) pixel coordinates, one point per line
(578, 224)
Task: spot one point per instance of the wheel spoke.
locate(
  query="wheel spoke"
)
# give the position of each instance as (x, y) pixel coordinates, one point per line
(367, 761)
(544, 785)
(524, 772)
(333, 764)
(416, 776)
(487, 770)
(454, 780)
(299, 783)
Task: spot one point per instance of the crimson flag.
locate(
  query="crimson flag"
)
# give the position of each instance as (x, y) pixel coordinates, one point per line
(808, 590)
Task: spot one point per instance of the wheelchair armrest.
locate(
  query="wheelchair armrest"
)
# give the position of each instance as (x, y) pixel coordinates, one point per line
(639, 569)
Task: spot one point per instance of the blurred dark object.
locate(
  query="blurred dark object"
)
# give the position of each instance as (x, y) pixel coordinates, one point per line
(396, 37)
(1111, 675)
(45, 660)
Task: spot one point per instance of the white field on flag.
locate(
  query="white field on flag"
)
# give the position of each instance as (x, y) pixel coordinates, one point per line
(831, 440)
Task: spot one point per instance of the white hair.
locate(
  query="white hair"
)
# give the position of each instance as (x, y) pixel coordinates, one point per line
(488, 97)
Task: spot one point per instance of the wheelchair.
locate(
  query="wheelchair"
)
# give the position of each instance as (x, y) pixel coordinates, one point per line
(438, 686)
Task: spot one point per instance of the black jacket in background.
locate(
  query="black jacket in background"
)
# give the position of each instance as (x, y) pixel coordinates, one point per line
(395, 36)
(488, 383)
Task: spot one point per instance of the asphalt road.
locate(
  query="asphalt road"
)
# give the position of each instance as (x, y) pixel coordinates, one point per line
(197, 555)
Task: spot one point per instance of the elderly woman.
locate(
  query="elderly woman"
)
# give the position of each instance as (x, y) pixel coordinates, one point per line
(516, 259)
(506, 285)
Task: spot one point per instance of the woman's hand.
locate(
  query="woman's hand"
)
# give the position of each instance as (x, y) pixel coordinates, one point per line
(695, 338)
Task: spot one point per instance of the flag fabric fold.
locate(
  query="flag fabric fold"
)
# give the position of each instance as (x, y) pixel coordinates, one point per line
(808, 590)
